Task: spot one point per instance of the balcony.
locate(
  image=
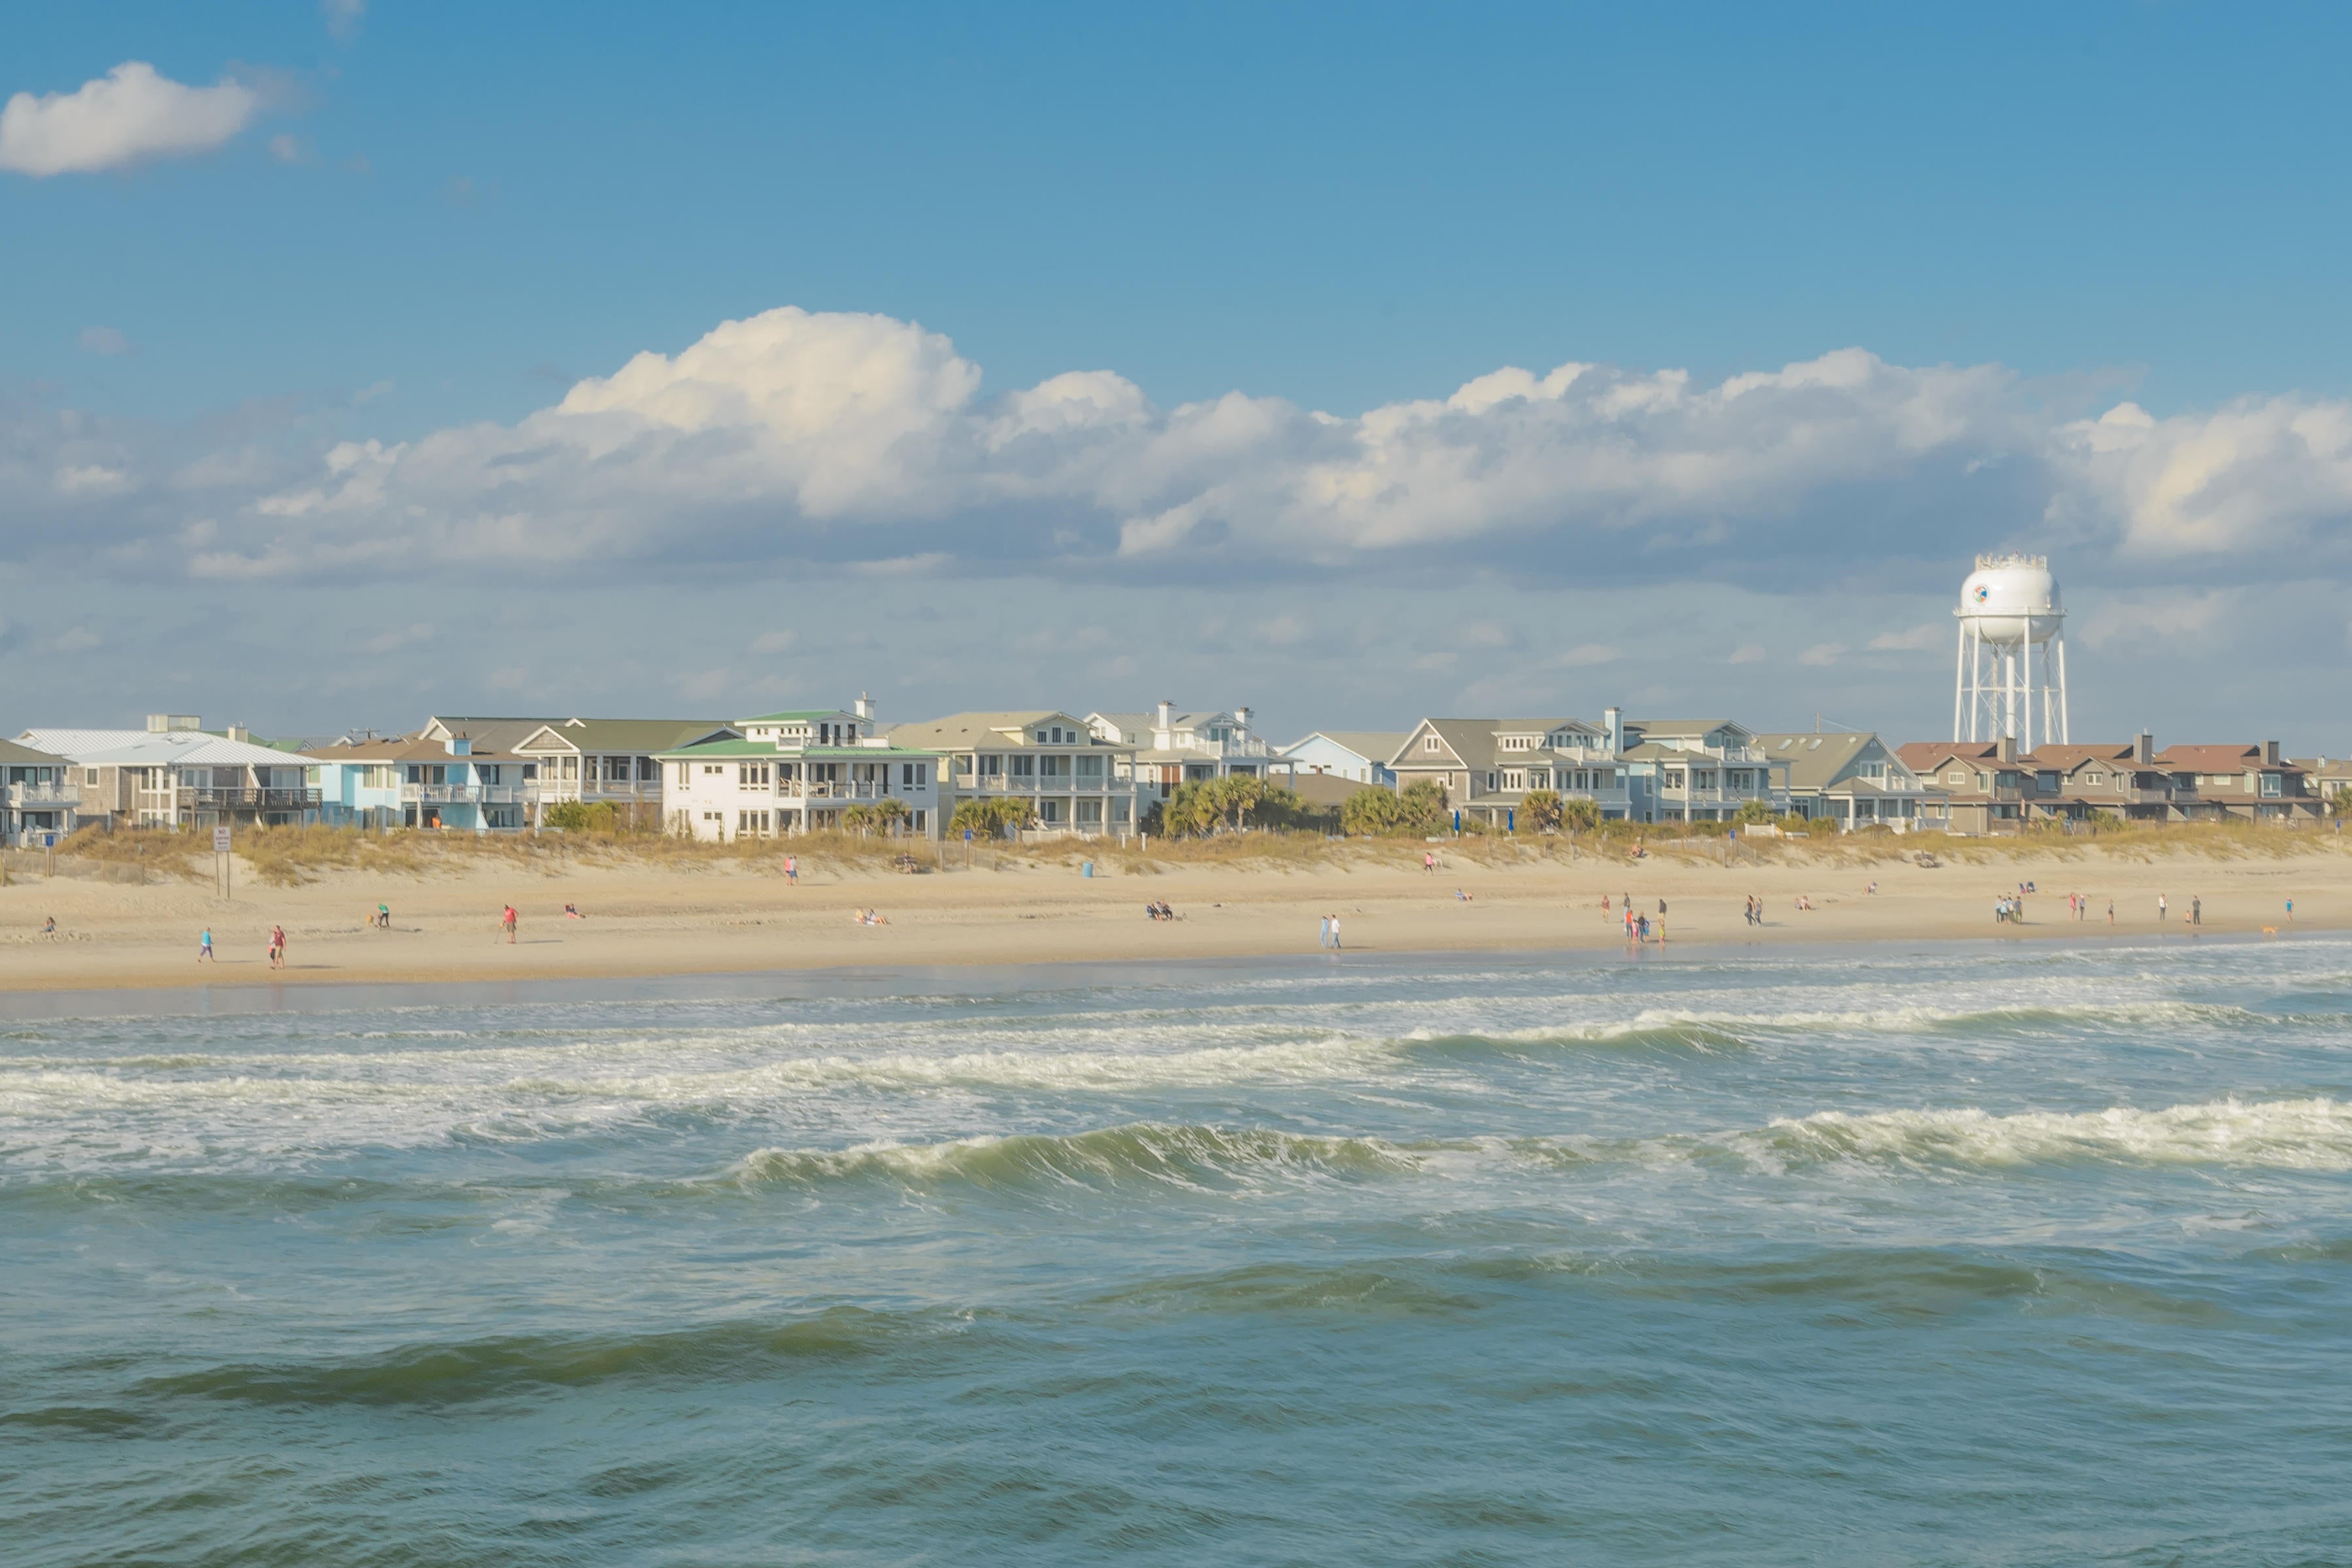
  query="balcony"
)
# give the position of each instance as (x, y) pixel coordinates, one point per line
(998, 784)
(44, 797)
(248, 799)
(461, 794)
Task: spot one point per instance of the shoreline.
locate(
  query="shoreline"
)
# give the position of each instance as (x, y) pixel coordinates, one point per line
(645, 924)
(240, 997)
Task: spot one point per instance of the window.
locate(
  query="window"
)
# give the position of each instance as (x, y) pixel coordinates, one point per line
(1514, 779)
(570, 767)
(1429, 743)
(915, 775)
(1025, 766)
(1049, 811)
(1119, 810)
(1089, 813)
(1491, 784)
(2273, 784)
(992, 766)
(89, 775)
(1055, 768)
(648, 771)
(685, 774)
(710, 767)
(1090, 768)
(2046, 781)
(2094, 780)
(920, 826)
(530, 772)
(751, 775)
(1957, 776)
(416, 773)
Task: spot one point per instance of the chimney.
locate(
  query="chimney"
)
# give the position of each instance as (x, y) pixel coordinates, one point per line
(1612, 724)
(2006, 750)
(2143, 748)
(1167, 713)
(1241, 717)
(237, 732)
(2270, 754)
(865, 708)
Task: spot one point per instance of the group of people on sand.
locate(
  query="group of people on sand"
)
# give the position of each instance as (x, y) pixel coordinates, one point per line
(1159, 911)
(871, 918)
(276, 951)
(1639, 929)
(1330, 936)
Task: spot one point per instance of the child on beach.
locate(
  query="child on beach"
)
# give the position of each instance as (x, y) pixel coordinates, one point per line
(204, 947)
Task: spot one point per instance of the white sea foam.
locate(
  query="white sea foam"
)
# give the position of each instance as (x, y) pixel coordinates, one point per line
(2284, 1134)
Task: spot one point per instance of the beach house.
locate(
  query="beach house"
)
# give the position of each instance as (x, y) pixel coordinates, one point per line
(1072, 779)
(1487, 766)
(800, 771)
(445, 784)
(174, 774)
(37, 805)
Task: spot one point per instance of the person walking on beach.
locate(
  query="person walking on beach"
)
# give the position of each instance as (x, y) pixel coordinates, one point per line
(791, 870)
(506, 923)
(2111, 911)
(2196, 909)
(2163, 909)
(205, 953)
(2290, 910)
(383, 916)
(1323, 934)
(1335, 933)
(277, 946)
(1429, 863)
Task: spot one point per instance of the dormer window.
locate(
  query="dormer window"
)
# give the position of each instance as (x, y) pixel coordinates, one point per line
(1429, 743)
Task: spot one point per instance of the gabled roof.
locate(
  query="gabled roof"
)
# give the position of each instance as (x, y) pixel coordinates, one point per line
(1473, 742)
(491, 733)
(1009, 731)
(1819, 761)
(619, 734)
(2221, 760)
(147, 749)
(1372, 745)
(1924, 756)
(2066, 758)
(402, 748)
(1683, 727)
(25, 756)
(1134, 727)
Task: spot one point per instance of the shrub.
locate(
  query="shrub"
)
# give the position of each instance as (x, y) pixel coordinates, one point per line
(584, 817)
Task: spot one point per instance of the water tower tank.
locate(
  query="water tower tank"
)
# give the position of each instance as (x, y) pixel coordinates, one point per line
(2011, 600)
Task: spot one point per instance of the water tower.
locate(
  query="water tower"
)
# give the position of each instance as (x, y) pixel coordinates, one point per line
(2010, 607)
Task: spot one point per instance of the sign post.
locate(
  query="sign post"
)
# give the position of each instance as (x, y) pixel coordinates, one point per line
(226, 878)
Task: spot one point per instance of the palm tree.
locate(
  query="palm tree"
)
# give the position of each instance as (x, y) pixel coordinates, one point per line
(1541, 810)
(889, 812)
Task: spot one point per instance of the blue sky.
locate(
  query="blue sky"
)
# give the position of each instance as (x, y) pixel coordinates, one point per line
(436, 217)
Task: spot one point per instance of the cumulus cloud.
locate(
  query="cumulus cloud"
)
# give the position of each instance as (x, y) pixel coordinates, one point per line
(128, 116)
(869, 443)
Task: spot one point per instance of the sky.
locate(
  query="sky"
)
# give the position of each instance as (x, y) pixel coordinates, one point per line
(368, 360)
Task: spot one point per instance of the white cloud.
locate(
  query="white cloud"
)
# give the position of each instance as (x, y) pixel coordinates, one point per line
(103, 341)
(1919, 637)
(1749, 654)
(867, 444)
(775, 641)
(1584, 655)
(2261, 473)
(342, 17)
(126, 117)
(287, 148)
(1822, 655)
(93, 479)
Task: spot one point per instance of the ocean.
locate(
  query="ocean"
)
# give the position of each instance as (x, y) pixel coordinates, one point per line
(1998, 1253)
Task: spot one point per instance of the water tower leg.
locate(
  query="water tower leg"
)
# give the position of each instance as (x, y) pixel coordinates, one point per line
(2065, 734)
(2025, 656)
(1961, 681)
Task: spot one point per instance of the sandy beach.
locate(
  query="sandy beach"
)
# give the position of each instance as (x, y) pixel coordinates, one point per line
(650, 920)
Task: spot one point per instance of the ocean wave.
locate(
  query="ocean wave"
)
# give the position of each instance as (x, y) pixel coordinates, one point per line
(2279, 1135)
(465, 1371)
(1193, 1158)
